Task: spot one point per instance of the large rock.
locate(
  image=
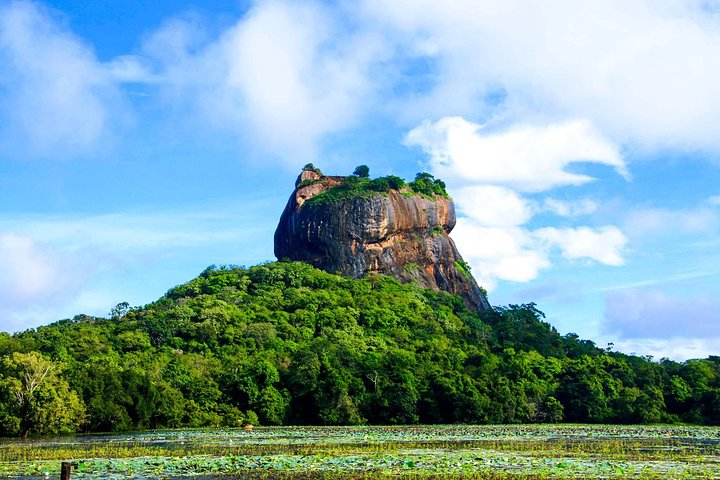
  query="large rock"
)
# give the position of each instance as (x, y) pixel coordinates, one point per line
(405, 237)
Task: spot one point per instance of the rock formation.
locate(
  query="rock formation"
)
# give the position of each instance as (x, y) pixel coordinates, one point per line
(396, 233)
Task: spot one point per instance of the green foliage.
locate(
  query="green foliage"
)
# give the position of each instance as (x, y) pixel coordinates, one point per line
(464, 268)
(353, 187)
(36, 399)
(362, 171)
(285, 343)
(427, 185)
(429, 452)
(483, 291)
(312, 168)
(307, 182)
(358, 185)
(411, 267)
(436, 231)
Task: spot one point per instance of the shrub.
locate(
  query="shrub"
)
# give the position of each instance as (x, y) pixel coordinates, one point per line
(464, 268)
(436, 231)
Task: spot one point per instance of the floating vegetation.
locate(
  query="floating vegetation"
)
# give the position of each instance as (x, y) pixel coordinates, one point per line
(426, 452)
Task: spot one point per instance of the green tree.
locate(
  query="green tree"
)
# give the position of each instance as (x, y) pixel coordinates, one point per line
(362, 171)
(37, 399)
(426, 184)
(286, 343)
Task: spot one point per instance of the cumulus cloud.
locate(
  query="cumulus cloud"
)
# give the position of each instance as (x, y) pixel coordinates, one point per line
(488, 169)
(604, 244)
(34, 275)
(644, 72)
(55, 97)
(498, 253)
(528, 158)
(493, 206)
(519, 254)
(283, 77)
(634, 314)
(286, 75)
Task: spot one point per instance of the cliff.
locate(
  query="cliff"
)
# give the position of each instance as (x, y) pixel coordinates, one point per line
(394, 233)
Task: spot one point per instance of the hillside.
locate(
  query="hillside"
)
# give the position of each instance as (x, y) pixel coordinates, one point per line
(285, 343)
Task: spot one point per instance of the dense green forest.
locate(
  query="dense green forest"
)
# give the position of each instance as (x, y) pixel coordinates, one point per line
(285, 343)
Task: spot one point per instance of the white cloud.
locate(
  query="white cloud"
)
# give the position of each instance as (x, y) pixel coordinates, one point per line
(644, 72)
(486, 169)
(518, 254)
(604, 244)
(527, 158)
(653, 221)
(175, 42)
(131, 69)
(283, 77)
(499, 253)
(569, 209)
(714, 200)
(493, 206)
(653, 314)
(123, 232)
(678, 349)
(55, 97)
(288, 74)
(43, 279)
(56, 267)
(661, 280)
(26, 271)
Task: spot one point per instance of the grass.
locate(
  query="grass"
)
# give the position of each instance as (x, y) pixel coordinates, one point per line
(422, 452)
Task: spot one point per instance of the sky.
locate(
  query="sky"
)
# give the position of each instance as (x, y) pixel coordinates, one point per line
(141, 142)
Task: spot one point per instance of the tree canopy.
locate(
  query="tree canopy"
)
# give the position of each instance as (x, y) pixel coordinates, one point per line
(285, 343)
(362, 171)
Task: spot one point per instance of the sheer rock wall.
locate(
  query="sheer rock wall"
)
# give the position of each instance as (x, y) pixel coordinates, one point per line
(404, 237)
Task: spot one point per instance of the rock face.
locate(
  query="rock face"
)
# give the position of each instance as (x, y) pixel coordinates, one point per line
(405, 237)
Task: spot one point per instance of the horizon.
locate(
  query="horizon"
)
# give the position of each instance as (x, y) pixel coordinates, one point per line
(140, 144)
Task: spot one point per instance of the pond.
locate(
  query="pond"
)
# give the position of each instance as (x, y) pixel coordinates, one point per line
(375, 452)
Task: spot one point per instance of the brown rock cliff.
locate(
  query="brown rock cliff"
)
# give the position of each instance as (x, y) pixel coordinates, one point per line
(405, 237)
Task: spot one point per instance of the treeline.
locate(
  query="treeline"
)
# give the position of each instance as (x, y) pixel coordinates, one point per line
(284, 343)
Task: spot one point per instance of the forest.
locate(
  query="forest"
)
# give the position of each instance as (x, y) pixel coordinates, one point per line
(286, 344)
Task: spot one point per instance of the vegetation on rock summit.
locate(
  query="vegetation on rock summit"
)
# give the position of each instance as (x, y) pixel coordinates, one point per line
(359, 184)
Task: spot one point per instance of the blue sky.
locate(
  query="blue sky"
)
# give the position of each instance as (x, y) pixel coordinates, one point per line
(581, 142)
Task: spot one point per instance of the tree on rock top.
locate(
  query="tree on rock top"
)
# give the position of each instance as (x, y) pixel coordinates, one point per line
(362, 171)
